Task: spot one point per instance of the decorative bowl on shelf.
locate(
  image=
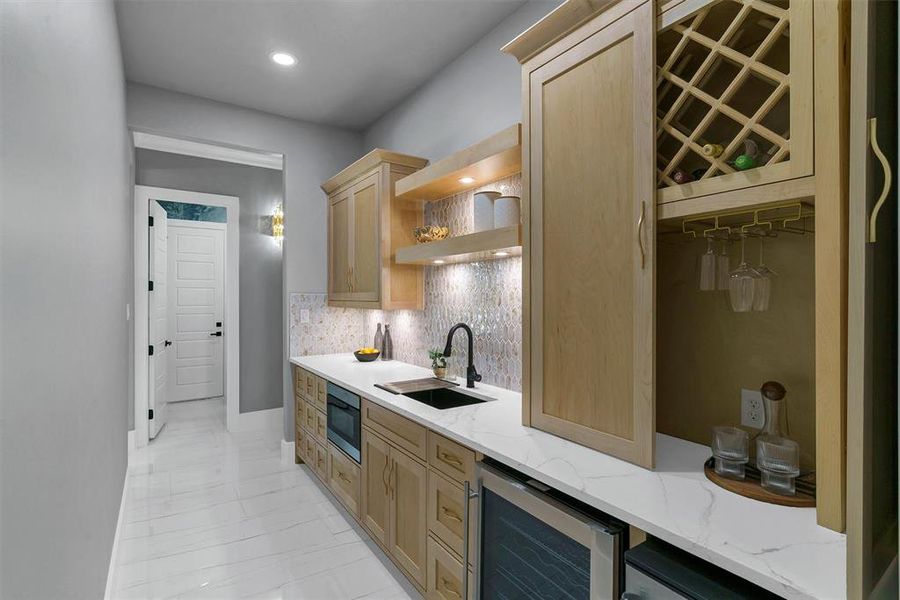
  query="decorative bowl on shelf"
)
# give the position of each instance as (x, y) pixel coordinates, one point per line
(430, 233)
(366, 354)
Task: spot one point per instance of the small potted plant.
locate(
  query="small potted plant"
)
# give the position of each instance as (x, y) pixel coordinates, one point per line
(438, 363)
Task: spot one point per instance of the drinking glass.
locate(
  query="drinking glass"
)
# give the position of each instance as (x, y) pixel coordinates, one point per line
(730, 447)
(708, 262)
(778, 461)
(741, 284)
(762, 292)
(723, 267)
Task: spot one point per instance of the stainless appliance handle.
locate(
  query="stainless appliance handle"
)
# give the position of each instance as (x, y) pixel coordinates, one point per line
(602, 541)
(468, 496)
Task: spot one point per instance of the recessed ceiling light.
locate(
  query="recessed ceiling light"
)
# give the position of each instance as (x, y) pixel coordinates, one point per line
(284, 59)
(467, 180)
(438, 262)
(501, 253)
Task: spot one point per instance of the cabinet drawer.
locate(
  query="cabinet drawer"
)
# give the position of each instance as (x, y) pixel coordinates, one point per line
(310, 386)
(445, 574)
(321, 393)
(299, 381)
(321, 429)
(452, 459)
(309, 418)
(343, 479)
(300, 444)
(321, 463)
(398, 430)
(445, 514)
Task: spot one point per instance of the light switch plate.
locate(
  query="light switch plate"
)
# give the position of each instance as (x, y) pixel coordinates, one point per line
(304, 315)
(752, 411)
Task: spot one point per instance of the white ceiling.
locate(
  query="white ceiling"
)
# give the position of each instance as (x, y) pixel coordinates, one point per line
(357, 58)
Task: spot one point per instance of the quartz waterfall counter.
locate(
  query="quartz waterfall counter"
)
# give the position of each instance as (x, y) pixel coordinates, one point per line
(779, 548)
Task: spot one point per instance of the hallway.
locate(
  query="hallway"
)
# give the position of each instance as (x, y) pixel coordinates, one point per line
(210, 514)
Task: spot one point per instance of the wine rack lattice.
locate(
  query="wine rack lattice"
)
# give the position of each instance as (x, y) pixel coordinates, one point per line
(723, 81)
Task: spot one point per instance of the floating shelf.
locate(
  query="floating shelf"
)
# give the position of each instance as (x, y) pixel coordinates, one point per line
(489, 160)
(483, 245)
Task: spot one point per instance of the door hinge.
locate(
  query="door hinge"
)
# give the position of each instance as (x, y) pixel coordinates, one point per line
(151, 351)
(151, 285)
(150, 413)
(151, 221)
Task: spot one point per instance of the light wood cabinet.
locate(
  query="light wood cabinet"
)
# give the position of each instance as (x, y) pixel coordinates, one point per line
(408, 529)
(376, 494)
(343, 479)
(446, 511)
(589, 265)
(616, 98)
(403, 433)
(320, 466)
(366, 225)
(445, 574)
(395, 487)
(451, 458)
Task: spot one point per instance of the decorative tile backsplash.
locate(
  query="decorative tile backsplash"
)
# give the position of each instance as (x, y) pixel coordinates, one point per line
(487, 295)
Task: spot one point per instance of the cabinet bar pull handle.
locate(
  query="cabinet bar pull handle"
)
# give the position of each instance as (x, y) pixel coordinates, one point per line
(886, 167)
(449, 458)
(450, 514)
(446, 585)
(640, 234)
(391, 480)
(343, 477)
(384, 476)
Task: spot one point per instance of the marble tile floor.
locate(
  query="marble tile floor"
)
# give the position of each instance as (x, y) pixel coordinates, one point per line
(212, 514)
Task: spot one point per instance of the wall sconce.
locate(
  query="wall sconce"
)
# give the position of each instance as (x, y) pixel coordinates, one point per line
(278, 224)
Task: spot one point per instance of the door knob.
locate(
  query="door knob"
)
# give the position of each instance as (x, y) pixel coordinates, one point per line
(216, 334)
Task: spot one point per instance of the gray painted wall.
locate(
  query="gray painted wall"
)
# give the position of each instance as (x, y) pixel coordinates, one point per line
(476, 95)
(259, 190)
(312, 154)
(65, 257)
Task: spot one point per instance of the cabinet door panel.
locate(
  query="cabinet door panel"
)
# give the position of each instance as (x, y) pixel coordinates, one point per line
(376, 497)
(339, 246)
(366, 262)
(408, 527)
(592, 241)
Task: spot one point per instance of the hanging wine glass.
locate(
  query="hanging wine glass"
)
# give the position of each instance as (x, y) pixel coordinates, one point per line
(741, 283)
(762, 291)
(708, 262)
(723, 267)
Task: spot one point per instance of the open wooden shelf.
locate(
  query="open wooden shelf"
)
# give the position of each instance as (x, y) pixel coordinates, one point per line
(483, 245)
(489, 160)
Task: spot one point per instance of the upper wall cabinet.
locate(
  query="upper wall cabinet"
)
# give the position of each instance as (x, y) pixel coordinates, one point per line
(589, 269)
(734, 95)
(366, 225)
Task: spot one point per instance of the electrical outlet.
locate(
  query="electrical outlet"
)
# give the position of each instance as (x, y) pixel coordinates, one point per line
(304, 315)
(752, 411)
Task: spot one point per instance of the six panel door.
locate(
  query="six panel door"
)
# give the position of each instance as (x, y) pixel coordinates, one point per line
(591, 241)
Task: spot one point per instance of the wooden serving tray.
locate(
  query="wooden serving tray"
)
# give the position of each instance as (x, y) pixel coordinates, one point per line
(752, 488)
(415, 385)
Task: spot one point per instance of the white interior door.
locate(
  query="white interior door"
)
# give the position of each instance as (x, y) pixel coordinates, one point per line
(159, 319)
(197, 309)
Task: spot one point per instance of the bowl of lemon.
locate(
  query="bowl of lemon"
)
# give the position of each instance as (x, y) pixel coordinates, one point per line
(366, 354)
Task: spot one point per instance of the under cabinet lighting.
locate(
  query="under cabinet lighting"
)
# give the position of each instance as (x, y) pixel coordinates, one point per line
(439, 262)
(466, 180)
(283, 58)
(501, 253)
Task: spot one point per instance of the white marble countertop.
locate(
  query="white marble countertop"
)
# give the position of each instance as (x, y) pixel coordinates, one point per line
(779, 548)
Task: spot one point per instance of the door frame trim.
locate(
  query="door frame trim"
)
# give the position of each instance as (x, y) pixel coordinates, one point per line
(142, 196)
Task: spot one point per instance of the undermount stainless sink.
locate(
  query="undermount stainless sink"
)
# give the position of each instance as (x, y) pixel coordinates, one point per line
(437, 393)
(443, 398)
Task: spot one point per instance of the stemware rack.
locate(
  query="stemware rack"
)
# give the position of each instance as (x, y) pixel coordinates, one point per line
(790, 217)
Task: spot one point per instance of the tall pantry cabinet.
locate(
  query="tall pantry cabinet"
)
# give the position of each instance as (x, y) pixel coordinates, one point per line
(640, 117)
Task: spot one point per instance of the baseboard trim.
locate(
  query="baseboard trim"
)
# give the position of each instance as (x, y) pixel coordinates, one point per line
(270, 419)
(120, 521)
(287, 452)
